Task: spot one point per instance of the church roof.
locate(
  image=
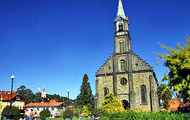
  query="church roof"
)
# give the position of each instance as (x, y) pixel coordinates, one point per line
(44, 90)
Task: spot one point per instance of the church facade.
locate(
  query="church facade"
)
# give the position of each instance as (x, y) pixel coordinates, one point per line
(131, 79)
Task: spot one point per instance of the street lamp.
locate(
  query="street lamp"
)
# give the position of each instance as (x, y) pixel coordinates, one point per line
(68, 96)
(10, 116)
(96, 104)
(8, 98)
(68, 113)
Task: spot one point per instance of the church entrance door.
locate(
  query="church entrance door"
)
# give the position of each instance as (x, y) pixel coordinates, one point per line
(125, 104)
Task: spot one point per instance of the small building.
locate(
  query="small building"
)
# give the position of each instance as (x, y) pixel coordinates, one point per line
(17, 100)
(54, 107)
(43, 93)
(174, 104)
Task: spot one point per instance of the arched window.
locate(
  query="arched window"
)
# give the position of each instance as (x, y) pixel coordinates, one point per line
(121, 46)
(143, 94)
(120, 27)
(123, 66)
(123, 81)
(106, 91)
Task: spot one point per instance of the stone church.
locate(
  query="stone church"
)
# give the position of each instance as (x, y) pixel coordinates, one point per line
(131, 79)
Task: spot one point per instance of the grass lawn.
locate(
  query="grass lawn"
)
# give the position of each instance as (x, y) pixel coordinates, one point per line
(75, 118)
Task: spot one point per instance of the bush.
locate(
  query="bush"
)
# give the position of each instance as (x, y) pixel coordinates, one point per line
(70, 112)
(15, 111)
(76, 111)
(85, 111)
(44, 113)
(96, 112)
(111, 104)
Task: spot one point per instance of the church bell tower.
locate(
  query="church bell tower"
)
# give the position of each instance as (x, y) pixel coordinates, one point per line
(122, 39)
(125, 74)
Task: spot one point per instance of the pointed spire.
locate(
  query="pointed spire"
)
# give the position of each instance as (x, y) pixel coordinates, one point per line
(120, 12)
(44, 90)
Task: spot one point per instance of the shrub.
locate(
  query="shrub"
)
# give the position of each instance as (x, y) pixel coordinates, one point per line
(111, 104)
(15, 112)
(96, 112)
(44, 113)
(66, 112)
(76, 111)
(85, 111)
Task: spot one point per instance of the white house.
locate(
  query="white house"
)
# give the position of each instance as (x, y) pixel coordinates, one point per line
(54, 107)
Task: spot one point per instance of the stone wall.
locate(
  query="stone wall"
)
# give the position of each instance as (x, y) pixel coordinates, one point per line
(102, 82)
(138, 80)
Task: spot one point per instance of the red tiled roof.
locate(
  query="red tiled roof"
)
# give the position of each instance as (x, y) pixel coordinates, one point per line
(6, 95)
(51, 103)
(174, 104)
(184, 105)
(70, 108)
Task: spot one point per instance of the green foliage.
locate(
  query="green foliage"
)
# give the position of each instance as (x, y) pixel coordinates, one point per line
(85, 111)
(66, 112)
(166, 96)
(85, 97)
(15, 111)
(178, 62)
(111, 104)
(26, 93)
(76, 111)
(38, 97)
(30, 97)
(44, 113)
(145, 116)
(96, 112)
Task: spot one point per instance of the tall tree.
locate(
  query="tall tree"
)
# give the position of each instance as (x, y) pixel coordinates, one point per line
(26, 93)
(38, 97)
(178, 62)
(85, 97)
(164, 97)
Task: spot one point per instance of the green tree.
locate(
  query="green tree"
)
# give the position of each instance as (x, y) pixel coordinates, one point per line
(44, 113)
(38, 98)
(85, 97)
(164, 97)
(15, 111)
(26, 93)
(111, 104)
(178, 62)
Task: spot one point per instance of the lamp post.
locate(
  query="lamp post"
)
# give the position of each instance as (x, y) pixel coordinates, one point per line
(68, 113)
(96, 102)
(8, 99)
(10, 116)
(68, 96)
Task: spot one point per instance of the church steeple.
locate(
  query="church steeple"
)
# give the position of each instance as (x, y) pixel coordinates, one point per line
(122, 39)
(121, 21)
(120, 12)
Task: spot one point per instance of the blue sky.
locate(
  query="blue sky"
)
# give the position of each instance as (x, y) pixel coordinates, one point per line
(55, 42)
